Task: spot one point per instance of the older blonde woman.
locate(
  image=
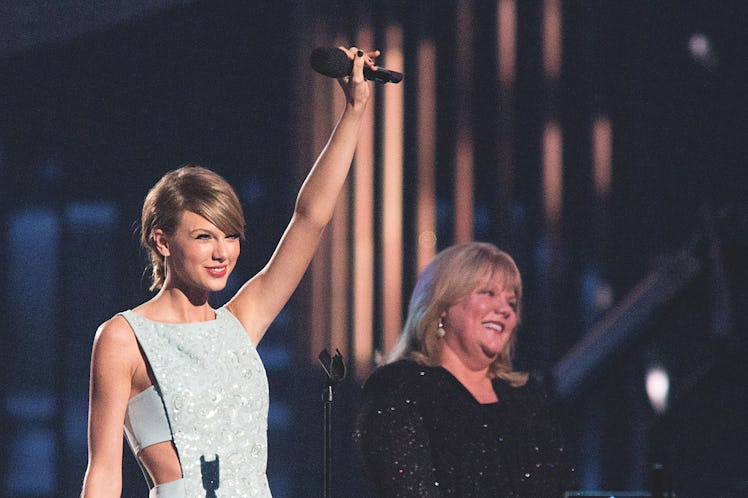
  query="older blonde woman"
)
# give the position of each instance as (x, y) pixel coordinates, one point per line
(447, 415)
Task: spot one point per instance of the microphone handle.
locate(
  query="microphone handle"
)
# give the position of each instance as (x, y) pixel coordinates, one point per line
(382, 75)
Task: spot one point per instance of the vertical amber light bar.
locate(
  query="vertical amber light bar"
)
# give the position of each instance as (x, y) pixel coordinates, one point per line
(552, 168)
(506, 24)
(602, 155)
(552, 39)
(363, 235)
(426, 132)
(392, 194)
(464, 154)
(507, 37)
(552, 134)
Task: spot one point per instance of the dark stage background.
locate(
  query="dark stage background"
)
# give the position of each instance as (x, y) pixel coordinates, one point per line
(99, 101)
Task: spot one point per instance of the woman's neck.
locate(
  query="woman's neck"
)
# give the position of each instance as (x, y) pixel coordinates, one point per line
(476, 381)
(174, 306)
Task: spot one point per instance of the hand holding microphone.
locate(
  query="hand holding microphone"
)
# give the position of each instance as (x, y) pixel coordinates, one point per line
(334, 62)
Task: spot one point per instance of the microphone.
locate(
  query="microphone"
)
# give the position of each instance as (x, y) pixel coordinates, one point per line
(334, 63)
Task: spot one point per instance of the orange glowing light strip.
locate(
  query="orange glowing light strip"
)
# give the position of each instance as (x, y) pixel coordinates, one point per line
(507, 37)
(463, 188)
(392, 195)
(602, 155)
(552, 168)
(552, 134)
(463, 174)
(426, 130)
(363, 236)
(552, 39)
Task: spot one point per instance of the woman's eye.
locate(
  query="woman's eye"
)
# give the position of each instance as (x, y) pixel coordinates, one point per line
(233, 236)
(203, 236)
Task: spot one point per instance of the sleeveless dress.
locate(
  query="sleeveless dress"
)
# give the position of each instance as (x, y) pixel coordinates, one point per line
(210, 398)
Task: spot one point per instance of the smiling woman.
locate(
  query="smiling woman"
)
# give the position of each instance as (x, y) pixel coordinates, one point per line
(448, 415)
(476, 330)
(184, 381)
(474, 272)
(190, 202)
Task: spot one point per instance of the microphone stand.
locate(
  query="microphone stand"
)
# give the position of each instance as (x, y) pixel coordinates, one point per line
(334, 372)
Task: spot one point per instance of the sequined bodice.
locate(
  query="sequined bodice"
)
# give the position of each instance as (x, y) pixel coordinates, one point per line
(215, 392)
(421, 433)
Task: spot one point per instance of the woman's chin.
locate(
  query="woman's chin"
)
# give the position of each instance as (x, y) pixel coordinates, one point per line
(491, 352)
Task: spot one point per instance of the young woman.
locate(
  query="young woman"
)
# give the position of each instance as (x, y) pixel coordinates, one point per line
(184, 380)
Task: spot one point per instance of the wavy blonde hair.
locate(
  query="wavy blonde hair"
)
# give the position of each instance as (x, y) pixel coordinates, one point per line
(189, 188)
(450, 277)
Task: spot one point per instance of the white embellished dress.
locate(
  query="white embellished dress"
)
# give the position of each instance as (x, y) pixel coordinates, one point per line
(212, 392)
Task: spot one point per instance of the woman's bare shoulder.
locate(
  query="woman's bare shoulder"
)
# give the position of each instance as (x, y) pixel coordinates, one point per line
(115, 335)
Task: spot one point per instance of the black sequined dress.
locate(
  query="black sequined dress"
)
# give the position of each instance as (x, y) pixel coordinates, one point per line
(422, 434)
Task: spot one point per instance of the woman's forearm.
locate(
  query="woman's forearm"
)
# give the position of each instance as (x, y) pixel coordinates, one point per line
(318, 195)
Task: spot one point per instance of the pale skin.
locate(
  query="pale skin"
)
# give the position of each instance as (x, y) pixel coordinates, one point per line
(477, 328)
(199, 259)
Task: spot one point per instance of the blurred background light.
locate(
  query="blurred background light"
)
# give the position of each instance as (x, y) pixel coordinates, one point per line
(702, 51)
(658, 388)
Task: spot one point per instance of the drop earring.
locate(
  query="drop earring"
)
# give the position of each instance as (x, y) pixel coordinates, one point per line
(440, 332)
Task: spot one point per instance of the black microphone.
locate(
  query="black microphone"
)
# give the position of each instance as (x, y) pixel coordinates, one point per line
(333, 62)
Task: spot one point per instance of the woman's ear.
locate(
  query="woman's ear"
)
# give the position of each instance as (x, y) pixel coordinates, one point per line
(161, 241)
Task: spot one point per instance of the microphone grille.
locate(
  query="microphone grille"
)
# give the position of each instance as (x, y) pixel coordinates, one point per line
(330, 61)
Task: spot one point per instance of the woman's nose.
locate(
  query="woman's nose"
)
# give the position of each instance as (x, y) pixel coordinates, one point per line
(220, 250)
(503, 307)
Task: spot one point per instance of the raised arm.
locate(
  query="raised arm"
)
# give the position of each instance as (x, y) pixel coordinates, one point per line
(110, 385)
(260, 300)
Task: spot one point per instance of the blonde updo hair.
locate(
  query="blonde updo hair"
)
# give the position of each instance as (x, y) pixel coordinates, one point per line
(450, 277)
(189, 188)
